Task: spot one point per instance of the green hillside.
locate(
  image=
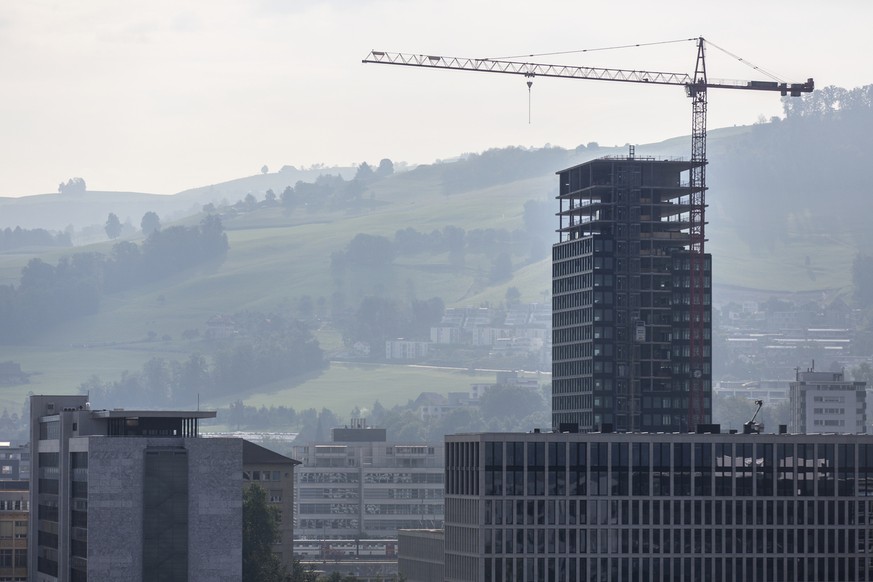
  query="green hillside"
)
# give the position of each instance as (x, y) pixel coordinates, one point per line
(275, 258)
(775, 227)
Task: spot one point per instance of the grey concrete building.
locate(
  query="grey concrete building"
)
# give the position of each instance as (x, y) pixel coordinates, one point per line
(131, 496)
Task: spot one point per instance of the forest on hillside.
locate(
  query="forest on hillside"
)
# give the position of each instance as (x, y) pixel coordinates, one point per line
(804, 173)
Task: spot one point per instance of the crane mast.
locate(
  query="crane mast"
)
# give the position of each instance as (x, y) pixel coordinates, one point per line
(696, 88)
(697, 227)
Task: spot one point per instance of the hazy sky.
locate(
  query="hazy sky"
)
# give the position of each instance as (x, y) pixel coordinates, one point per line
(160, 96)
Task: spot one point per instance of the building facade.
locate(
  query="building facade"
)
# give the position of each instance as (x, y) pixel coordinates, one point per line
(421, 555)
(827, 402)
(621, 300)
(14, 513)
(274, 473)
(131, 496)
(658, 507)
(360, 485)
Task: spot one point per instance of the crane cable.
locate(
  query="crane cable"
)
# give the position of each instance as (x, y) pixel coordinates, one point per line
(591, 50)
(749, 64)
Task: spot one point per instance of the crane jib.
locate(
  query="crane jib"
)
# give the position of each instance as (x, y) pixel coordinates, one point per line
(529, 69)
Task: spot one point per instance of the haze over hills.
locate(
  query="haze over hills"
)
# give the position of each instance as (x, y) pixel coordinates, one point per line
(58, 211)
(789, 201)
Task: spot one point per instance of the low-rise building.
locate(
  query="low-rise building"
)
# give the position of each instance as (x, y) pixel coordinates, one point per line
(401, 349)
(14, 512)
(275, 474)
(827, 402)
(361, 485)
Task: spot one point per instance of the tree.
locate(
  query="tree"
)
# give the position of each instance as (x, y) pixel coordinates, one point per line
(510, 402)
(265, 169)
(386, 168)
(364, 173)
(501, 268)
(270, 197)
(863, 373)
(862, 280)
(73, 186)
(513, 297)
(113, 226)
(260, 532)
(150, 222)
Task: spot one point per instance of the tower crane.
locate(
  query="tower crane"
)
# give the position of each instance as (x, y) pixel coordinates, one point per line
(696, 87)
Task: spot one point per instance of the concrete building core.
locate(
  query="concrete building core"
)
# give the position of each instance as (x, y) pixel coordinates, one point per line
(622, 319)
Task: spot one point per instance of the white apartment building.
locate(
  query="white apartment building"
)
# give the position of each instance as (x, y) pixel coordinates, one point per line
(824, 402)
(360, 485)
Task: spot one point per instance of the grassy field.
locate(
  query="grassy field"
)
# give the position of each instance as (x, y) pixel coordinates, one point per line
(345, 386)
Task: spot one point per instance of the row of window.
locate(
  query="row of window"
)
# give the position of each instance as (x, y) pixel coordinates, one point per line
(14, 505)
(370, 508)
(602, 540)
(655, 512)
(262, 475)
(685, 569)
(353, 493)
(661, 468)
(318, 527)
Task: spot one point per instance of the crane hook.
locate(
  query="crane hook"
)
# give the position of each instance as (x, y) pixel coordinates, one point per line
(529, 84)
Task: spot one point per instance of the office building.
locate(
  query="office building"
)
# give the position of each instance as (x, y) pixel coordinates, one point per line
(624, 323)
(274, 473)
(360, 485)
(127, 495)
(636, 507)
(14, 512)
(827, 402)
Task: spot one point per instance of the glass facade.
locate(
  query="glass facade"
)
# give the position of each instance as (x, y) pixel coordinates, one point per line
(646, 507)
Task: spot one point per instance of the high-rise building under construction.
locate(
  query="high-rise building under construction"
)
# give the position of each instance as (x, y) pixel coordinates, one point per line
(625, 319)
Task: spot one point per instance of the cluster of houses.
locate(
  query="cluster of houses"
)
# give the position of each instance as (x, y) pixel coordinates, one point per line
(523, 329)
